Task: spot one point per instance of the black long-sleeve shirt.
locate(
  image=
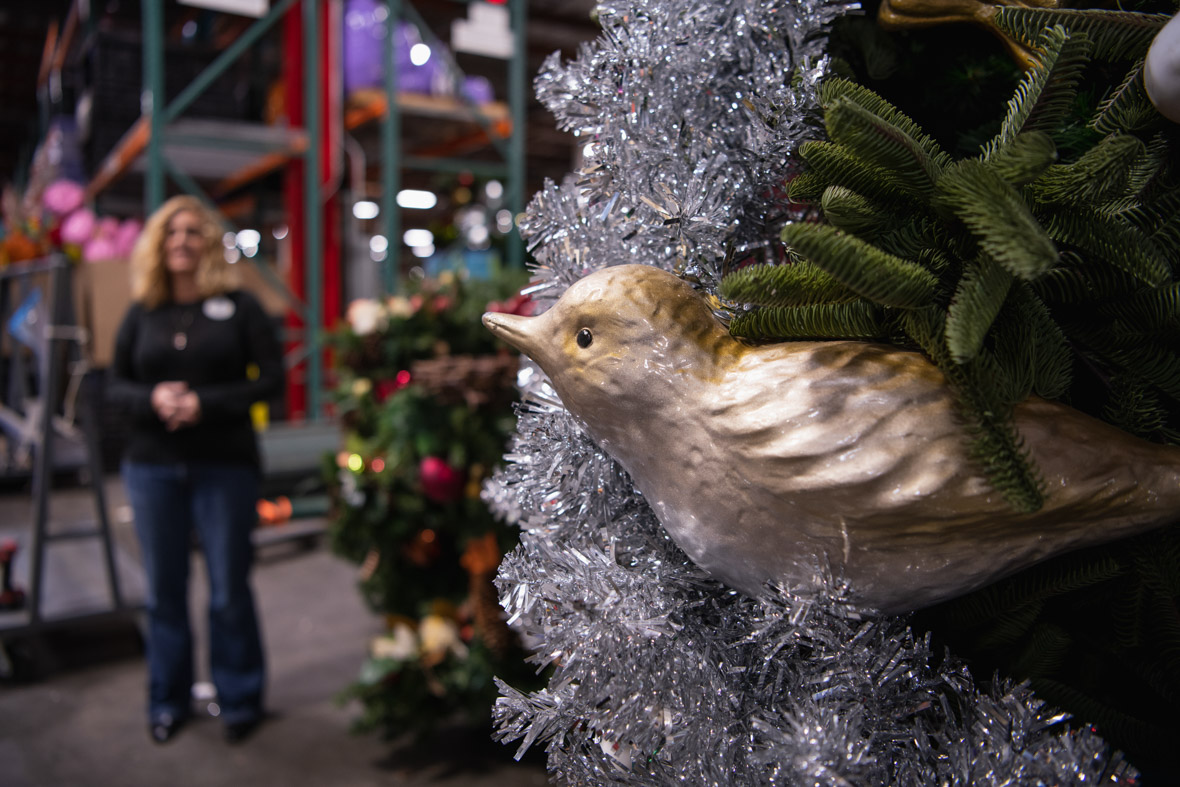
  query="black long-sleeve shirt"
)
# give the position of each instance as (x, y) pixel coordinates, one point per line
(222, 335)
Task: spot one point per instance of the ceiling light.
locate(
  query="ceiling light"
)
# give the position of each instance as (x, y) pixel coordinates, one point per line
(418, 237)
(419, 54)
(416, 198)
(365, 209)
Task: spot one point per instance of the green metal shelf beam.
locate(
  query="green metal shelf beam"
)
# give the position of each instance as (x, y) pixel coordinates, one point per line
(225, 59)
(162, 115)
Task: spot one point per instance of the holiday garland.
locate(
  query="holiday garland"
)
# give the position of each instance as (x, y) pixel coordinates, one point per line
(695, 113)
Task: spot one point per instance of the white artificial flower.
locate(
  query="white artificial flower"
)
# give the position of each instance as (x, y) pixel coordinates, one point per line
(366, 315)
(400, 644)
(440, 635)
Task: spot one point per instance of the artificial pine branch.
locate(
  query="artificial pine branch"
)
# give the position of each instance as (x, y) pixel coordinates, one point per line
(1046, 348)
(1108, 239)
(1127, 107)
(1046, 93)
(859, 320)
(1046, 648)
(849, 211)
(1078, 282)
(1099, 175)
(978, 298)
(1134, 407)
(784, 285)
(1024, 158)
(863, 268)
(806, 187)
(1151, 310)
(883, 144)
(997, 218)
(1116, 35)
(979, 384)
(836, 89)
(836, 164)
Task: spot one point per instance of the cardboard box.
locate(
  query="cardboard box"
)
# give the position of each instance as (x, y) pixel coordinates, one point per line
(102, 294)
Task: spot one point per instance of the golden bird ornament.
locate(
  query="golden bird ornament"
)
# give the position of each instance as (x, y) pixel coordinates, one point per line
(777, 463)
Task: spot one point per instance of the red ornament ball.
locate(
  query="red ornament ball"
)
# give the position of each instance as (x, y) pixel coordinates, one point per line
(440, 482)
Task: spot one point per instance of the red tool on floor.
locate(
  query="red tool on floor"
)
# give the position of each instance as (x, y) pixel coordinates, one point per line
(10, 597)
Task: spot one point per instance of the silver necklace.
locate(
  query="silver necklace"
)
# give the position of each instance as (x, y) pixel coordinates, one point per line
(181, 325)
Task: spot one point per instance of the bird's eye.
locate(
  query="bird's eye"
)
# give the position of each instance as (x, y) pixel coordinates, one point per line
(585, 338)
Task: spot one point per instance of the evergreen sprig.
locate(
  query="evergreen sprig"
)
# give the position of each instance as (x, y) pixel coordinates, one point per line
(1046, 93)
(784, 285)
(998, 219)
(1127, 107)
(1116, 35)
(978, 299)
(858, 320)
(861, 267)
(1024, 270)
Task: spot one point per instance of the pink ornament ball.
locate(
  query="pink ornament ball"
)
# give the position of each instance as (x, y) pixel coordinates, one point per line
(78, 227)
(63, 196)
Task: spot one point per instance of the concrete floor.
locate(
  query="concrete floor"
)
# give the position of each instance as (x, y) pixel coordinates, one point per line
(82, 722)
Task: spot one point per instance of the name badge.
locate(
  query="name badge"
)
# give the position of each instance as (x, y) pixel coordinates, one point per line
(219, 308)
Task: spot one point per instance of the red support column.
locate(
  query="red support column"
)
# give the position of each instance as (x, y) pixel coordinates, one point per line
(294, 71)
(293, 204)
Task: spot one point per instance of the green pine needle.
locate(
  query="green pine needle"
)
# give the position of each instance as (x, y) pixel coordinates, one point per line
(1116, 35)
(1046, 94)
(1108, 239)
(980, 294)
(1128, 108)
(859, 320)
(1046, 648)
(849, 211)
(882, 144)
(806, 187)
(833, 90)
(834, 164)
(997, 218)
(993, 444)
(1158, 365)
(1099, 175)
(1151, 310)
(783, 285)
(863, 268)
(1156, 215)
(1024, 158)
(1083, 283)
(1049, 356)
(1135, 407)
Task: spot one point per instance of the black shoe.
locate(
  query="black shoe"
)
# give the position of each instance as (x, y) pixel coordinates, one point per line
(162, 728)
(238, 731)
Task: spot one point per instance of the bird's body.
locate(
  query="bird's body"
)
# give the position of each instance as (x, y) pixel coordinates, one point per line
(776, 462)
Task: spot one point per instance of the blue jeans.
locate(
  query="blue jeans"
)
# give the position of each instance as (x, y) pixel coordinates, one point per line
(219, 501)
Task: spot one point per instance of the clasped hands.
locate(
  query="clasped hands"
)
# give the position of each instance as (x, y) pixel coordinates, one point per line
(176, 404)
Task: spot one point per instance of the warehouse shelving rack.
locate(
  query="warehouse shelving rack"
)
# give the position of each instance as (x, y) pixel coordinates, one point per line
(210, 158)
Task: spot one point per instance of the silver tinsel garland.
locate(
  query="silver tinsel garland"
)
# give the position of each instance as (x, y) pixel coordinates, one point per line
(660, 675)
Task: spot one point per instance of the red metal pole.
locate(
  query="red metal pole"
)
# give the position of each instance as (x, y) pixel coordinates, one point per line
(293, 204)
(331, 164)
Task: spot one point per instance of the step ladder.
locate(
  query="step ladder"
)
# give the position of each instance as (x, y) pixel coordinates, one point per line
(47, 430)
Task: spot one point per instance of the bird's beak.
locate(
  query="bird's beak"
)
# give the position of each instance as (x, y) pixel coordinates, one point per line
(514, 329)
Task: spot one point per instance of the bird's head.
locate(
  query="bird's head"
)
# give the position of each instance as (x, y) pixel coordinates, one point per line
(620, 339)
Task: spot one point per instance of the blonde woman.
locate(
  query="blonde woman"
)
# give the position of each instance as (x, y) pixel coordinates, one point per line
(192, 461)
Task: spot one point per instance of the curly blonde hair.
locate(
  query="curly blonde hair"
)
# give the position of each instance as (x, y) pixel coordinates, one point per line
(150, 283)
